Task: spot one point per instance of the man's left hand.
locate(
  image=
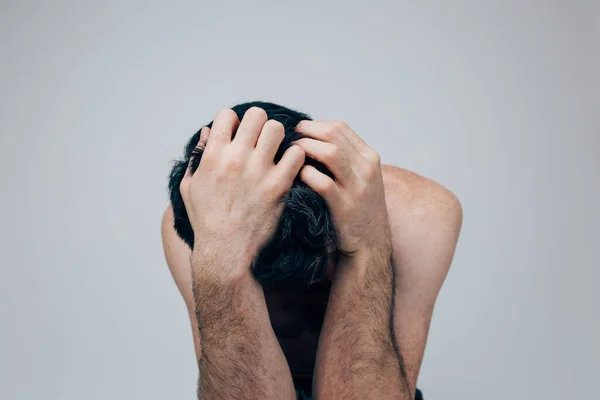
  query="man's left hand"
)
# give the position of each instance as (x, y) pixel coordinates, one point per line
(355, 196)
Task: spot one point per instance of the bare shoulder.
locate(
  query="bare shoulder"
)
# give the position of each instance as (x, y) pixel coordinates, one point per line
(425, 220)
(420, 205)
(421, 200)
(177, 254)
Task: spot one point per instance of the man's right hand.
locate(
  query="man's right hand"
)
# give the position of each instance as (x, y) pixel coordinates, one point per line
(233, 200)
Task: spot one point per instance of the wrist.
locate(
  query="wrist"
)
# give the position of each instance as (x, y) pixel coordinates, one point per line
(223, 287)
(363, 261)
(380, 251)
(220, 264)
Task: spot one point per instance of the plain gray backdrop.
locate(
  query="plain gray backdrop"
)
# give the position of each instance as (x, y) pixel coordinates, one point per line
(496, 100)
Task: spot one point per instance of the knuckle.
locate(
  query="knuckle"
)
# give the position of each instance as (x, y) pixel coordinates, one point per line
(374, 156)
(332, 153)
(253, 174)
(330, 132)
(296, 157)
(300, 154)
(368, 170)
(234, 163)
(301, 143)
(273, 187)
(277, 190)
(339, 124)
(327, 186)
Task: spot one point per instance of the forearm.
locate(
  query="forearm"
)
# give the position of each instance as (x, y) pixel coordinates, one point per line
(358, 356)
(240, 356)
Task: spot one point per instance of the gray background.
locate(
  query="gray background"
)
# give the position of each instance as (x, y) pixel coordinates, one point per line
(497, 100)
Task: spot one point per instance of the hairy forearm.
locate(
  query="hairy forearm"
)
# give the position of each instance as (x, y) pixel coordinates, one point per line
(358, 356)
(240, 356)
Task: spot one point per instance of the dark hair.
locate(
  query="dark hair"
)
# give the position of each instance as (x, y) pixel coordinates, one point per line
(299, 249)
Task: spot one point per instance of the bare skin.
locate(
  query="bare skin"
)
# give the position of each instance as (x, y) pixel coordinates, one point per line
(242, 187)
(358, 355)
(424, 221)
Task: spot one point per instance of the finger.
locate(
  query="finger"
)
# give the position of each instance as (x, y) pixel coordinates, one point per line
(204, 132)
(250, 127)
(201, 145)
(196, 154)
(287, 168)
(335, 159)
(322, 184)
(351, 136)
(270, 139)
(320, 130)
(225, 123)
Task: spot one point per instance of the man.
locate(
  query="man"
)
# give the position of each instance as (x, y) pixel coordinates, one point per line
(312, 264)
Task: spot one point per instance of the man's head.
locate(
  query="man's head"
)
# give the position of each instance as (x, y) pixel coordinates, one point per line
(299, 250)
